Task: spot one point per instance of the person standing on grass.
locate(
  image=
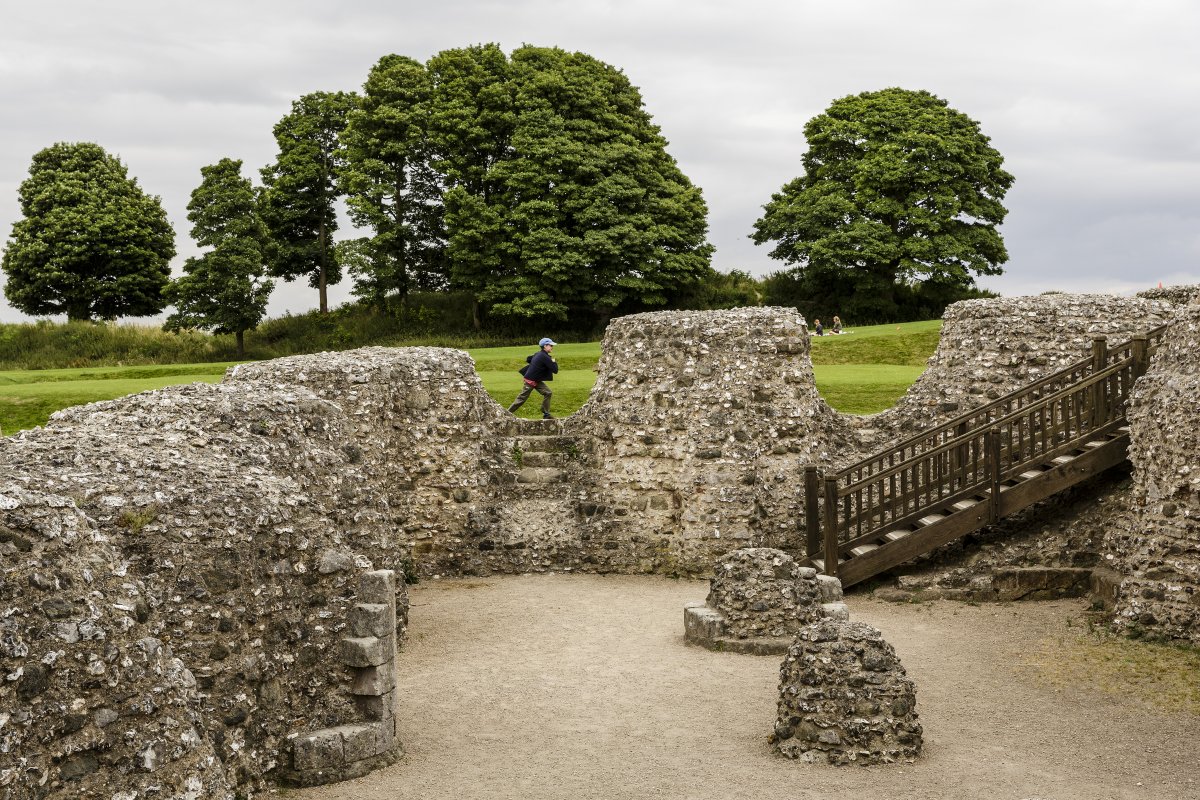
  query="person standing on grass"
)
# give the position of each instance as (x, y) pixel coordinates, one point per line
(540, 368)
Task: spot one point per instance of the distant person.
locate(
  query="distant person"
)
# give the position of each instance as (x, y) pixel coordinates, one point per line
(819, 329)
(539, 368)
(837, 325)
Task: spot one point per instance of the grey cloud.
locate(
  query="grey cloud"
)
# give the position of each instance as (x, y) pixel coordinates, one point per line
(1091, 105)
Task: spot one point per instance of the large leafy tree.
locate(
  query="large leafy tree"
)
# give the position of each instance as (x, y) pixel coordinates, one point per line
(91, 242)
(223, 290)
(390, 184)
(300, 194)
(898, 189)
(591, 211)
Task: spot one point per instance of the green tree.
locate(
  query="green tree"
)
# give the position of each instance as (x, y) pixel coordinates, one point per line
(223, 290)
(390, 184)
(91, 242)
(300, 192)
(585, 209)
(898, 189)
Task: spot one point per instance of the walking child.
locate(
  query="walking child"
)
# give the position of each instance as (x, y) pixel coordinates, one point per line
(540, 368)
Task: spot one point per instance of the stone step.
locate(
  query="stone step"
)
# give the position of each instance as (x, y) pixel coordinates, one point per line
(541, 475)
(535, 458)
(546, 444)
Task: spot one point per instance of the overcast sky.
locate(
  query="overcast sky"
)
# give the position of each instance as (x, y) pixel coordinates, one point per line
(1094, 105)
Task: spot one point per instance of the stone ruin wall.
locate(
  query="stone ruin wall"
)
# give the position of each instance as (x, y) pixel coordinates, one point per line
(991, 347)
(178, 569)
(180, 565)
(1159, 551)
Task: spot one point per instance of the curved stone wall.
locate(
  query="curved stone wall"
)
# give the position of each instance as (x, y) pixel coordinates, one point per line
(178, 566)
(1160, 552)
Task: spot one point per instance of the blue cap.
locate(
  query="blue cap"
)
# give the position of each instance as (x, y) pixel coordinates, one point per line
(546, 341)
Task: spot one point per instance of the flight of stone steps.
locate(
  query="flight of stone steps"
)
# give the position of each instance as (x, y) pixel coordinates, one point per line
(544, 455)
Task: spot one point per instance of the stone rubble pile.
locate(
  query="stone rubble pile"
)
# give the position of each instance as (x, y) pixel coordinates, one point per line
(844, 698)
(757, 601)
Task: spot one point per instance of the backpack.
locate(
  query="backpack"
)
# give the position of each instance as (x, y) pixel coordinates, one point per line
(528, 363)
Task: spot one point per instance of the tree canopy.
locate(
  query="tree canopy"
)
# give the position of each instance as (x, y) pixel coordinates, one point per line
(91, 243)
(300, 191)
(223, 290)
(898, 189)
(536, 182)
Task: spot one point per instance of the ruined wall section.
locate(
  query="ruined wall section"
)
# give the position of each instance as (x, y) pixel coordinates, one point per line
(423, 432)
(178, 569)
(1176, 295)
(1160, 552)
(994, 346)
(703, 422)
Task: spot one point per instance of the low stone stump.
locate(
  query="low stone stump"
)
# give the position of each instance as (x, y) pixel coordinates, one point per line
(844, 698)
(757, 602)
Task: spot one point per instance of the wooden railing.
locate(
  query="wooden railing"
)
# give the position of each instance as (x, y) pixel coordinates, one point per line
(974, 453)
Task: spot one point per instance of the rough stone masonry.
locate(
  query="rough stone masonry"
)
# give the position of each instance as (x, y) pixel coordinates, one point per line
(179, 566)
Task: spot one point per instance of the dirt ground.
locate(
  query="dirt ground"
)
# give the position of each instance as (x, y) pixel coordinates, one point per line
(573, 686)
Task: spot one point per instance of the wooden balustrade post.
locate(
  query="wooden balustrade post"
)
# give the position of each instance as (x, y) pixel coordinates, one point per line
(993, 464)
(1099, 389)
(831, 536)
(812, 511)
(958, 458)
(1141, 355)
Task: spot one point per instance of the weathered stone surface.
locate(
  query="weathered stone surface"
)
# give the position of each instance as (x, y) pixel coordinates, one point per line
(845, 698)
(371, 619)
(188, 547)
(1159, 552)
(375, 680)
(758, 600)
(319, 750)
(368, 651)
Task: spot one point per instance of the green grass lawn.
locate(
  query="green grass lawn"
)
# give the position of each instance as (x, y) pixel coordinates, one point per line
(860, 372)
(29, 397)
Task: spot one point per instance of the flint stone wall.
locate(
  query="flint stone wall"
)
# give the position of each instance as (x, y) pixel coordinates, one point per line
(757, 601)
(1159, 553)
(1175, 295)
(179, 565)
(991, 347)
(178, 569)
(845, 698)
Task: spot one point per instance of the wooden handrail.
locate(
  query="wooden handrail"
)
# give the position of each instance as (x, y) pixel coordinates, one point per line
(980, 452)
(1152, 337)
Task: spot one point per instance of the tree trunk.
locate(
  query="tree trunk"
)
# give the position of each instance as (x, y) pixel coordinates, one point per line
(241, 344)
(79, 311)
(321, 280)
(475, 319)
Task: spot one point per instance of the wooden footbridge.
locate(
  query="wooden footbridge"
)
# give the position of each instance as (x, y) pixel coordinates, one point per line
(975, 469)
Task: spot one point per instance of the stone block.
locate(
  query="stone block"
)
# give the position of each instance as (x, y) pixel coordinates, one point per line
(317, 751)
(385, 736)
(376, 707)
(358, 741)
(837, 611)
(830, 588)
(377, 586)
(367, 651)
(372, 619)
(375, 680)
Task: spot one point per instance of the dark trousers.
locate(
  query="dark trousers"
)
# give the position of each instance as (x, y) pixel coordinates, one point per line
(542, 388)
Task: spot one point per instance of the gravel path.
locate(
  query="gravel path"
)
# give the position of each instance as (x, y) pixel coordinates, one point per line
(574, 686)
